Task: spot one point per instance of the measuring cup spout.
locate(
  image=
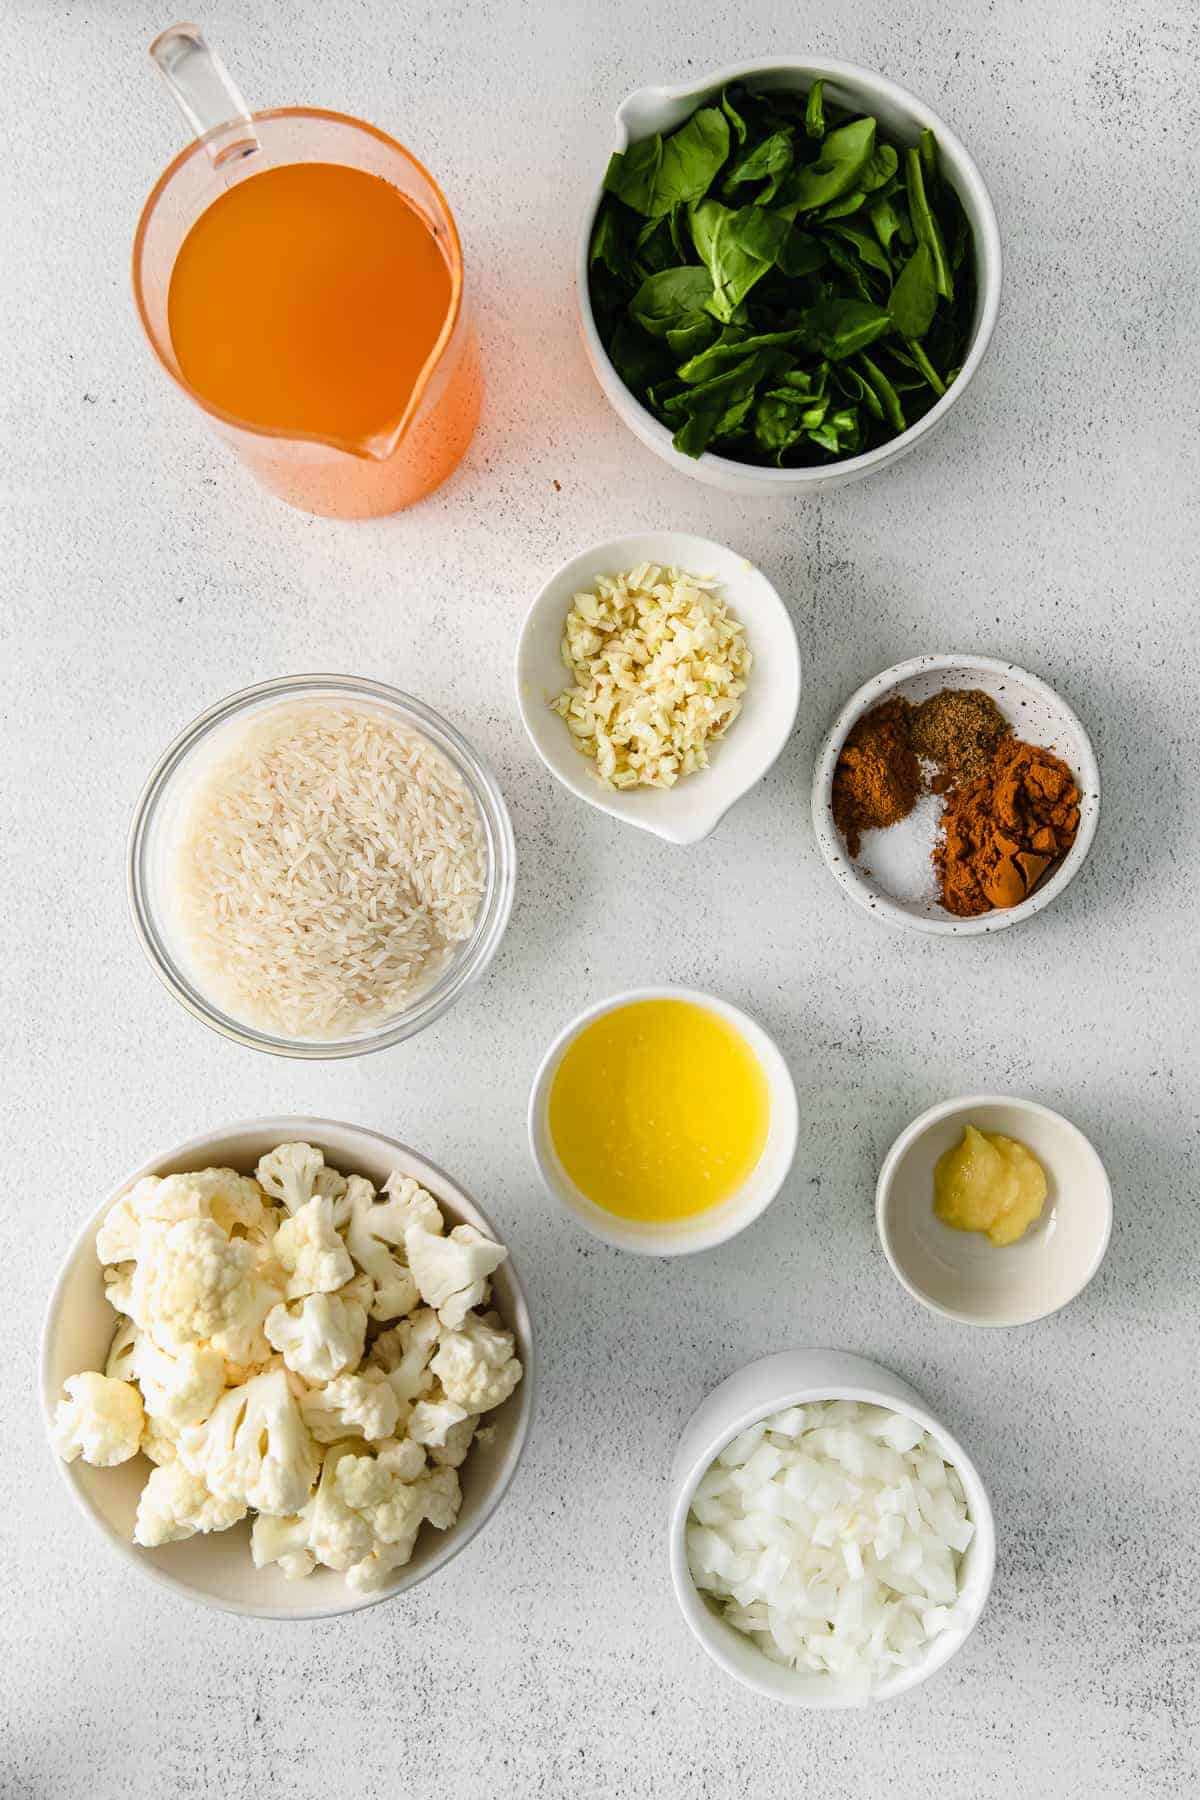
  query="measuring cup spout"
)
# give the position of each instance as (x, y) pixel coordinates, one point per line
(205, 94)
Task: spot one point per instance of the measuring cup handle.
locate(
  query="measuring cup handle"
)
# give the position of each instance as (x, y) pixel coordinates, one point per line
(202, 89)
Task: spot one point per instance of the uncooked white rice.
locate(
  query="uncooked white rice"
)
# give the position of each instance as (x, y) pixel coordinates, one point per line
(327, 866)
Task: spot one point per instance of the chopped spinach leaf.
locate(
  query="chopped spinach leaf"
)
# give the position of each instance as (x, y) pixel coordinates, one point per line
(814, 112)
(670, 299)
(732, 252)
(845, 153)
(660, 173)
(915, 296)
(767, 162)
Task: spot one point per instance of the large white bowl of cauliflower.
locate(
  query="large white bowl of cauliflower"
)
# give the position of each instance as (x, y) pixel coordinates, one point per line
(286, 1368)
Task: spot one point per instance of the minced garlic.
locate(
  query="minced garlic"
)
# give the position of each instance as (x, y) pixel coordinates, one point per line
(659, 665)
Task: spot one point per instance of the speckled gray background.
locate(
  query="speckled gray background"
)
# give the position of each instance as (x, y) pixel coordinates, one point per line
(1053, 522)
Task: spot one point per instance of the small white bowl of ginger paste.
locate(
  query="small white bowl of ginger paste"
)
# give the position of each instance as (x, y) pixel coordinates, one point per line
(970, 1275)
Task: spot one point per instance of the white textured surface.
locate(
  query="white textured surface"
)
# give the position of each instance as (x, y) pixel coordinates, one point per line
(1053, 521)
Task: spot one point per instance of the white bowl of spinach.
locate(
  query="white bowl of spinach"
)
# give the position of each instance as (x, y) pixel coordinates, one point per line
(789, 276)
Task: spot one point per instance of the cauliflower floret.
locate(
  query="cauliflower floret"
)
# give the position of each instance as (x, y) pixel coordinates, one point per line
(451, 1272)
(384, 1491)
(122, 1352)
(365, 1515)
(338, 1526)
(309, 1250)
(338, 1536)
(118, 1286)
(284, 1541)
(151, 1202)
(364, 1405)
(117, 1238)
(375, 1225)
(441, 1497)
(451, 1453)
(395, 1489)
(100, 1419)
(360, 1288)
(236, 1202)
(320, 1340)
(255, 1447)
(175, 1504)
(158, 1443)
(439, 1505)
(390, 1504)
(369, 1575)
(244, 1346)
(289, 1173)
(401, 1458)
(404, 1353)
(476, 1365)
(259, 1356)
(431, 1421)
(190, 1283)
(180, 1388)
(410, 1202)
(293, 1173)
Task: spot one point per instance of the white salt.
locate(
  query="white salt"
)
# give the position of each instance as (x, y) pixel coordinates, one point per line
(898, 859)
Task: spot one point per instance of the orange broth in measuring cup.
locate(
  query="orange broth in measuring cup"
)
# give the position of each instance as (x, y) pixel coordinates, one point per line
(308, 299)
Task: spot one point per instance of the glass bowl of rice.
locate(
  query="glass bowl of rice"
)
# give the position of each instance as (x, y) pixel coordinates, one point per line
(319, 866)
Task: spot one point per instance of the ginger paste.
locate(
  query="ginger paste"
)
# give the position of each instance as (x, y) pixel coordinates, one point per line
(989, 1183)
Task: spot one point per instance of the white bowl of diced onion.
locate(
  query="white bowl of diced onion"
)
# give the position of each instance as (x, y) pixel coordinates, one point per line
(216, 1569)
(833, 1540)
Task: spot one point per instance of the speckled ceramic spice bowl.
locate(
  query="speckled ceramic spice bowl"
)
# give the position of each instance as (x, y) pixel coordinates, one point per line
(217, 1570)
(1035, 712)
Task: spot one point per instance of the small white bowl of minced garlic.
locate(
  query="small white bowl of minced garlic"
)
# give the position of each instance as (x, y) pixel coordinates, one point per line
(658, 679)
(993, 1210)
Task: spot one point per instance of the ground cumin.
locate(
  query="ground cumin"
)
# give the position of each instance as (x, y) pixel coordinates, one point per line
(1002, 831)
(957, 729)
(877, 777)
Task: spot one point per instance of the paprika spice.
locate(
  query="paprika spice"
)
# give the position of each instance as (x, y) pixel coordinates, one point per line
(877, 777)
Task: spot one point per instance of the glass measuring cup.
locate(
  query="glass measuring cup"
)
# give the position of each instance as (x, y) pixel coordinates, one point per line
(345, 478)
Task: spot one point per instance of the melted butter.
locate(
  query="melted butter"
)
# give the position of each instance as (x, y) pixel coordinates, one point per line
(659, 1110)
(989, 1183)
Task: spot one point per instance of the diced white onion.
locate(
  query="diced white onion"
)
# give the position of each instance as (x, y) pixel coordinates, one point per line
(831, 1534)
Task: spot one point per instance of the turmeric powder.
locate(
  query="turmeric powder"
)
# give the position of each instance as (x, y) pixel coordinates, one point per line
(1003, 831)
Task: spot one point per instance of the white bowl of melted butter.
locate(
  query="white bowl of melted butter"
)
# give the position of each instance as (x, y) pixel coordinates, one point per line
(964, 1275)
(644, 1098)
